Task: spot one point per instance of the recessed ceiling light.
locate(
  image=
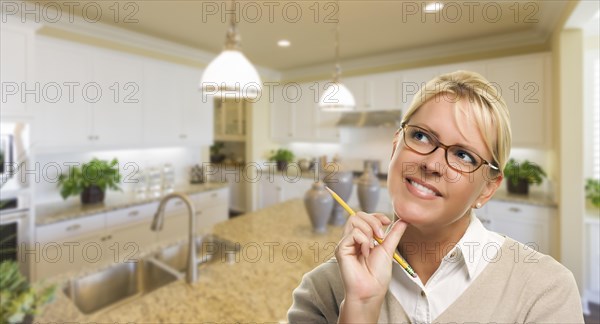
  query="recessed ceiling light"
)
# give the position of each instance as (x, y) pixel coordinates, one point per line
(283, 43)
(434, 6)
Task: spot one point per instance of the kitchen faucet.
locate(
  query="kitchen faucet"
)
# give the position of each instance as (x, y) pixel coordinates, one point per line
(157, 225)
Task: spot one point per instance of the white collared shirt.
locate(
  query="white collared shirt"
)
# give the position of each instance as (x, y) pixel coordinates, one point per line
(461, 265)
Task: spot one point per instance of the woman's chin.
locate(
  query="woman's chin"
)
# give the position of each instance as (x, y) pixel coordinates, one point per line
(412, 214)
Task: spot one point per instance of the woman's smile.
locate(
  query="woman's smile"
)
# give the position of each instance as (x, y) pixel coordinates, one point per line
(422, 189)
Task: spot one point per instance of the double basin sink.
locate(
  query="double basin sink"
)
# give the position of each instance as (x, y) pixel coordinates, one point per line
(127, 281)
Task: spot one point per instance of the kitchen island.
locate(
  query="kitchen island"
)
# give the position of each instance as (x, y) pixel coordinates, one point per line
(277, 246)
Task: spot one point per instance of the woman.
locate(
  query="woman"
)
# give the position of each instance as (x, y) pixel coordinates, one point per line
(446, 161)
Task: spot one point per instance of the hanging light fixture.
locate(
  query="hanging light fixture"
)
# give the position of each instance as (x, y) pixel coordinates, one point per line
(231, 74)
(337, 97)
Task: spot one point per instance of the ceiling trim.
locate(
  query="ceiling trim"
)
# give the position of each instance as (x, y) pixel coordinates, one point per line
(531, 38)
(131, 39)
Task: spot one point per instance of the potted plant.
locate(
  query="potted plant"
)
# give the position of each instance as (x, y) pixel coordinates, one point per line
(520, 175)
(282, 157)
(592, 192)
(90, 181)
(19, 301)
(215, 153)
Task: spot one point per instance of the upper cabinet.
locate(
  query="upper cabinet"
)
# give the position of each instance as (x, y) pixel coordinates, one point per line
(523, 82)
(175, 113)
(14, 58)
(88, 97)
(230, 119)
(525, 85)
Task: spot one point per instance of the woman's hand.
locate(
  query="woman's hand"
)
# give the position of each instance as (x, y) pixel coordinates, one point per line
(366, 269)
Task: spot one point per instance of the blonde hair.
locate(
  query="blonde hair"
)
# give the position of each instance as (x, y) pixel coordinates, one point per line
(486, 108)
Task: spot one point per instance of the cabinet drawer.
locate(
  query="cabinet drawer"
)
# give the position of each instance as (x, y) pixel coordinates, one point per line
(211, 198)
(506, 209)
(131, 215)
(71, 228)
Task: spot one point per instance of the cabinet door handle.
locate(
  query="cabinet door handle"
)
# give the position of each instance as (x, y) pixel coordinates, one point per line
(514, 209)
(133, 213)
(73, 227)
(91, 138)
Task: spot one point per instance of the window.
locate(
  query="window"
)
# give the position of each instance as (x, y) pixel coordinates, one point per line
(596, 119)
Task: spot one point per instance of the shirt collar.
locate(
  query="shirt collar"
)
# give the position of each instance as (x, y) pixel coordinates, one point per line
(469, 247)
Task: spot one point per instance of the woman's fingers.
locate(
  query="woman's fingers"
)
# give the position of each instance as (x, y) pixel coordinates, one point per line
(348, 244)
(393, 237)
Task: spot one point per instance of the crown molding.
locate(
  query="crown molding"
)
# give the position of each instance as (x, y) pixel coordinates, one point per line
(454, 49)
(76, 25)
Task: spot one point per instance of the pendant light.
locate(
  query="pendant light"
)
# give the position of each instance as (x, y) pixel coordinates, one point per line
(337, 97)
(231, 74)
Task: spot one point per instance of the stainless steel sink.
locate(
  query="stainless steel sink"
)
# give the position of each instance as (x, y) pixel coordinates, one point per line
(209, 248)
(117, 284)
(126, 281)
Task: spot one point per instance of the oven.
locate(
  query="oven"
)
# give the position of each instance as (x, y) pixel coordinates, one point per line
(13, 232)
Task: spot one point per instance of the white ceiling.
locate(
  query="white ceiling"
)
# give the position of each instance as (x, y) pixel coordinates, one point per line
(367, 28)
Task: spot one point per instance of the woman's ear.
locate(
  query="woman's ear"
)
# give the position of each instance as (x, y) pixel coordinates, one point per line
(489, 189)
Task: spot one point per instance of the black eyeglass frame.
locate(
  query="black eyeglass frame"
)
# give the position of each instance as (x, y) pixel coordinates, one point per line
(439, 144)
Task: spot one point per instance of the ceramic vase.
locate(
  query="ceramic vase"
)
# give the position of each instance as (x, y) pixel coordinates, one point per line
(368, 190)
(341, 182)
(318, 203)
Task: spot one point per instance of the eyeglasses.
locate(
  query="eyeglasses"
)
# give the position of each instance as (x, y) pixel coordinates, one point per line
(458, 158)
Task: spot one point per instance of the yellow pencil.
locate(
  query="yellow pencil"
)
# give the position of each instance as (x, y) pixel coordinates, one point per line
(397, 257)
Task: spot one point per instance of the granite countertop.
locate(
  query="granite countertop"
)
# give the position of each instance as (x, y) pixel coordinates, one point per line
(277, 248)
(533, 198)
(61, 211)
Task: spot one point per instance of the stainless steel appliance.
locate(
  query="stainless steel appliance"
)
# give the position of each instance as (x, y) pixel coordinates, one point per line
(14, 217)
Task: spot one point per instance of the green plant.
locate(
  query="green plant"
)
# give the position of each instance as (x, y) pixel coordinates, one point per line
(18, 297)
(99, 173)
(216, 148)
(592, 191)
(282, 155)
(528, 171)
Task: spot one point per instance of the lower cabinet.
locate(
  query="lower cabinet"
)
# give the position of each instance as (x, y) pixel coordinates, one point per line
(531, 225)
(278, 189)
(118, 236)
(592, 244)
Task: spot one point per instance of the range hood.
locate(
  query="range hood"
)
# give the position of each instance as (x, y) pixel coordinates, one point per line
(381, 118)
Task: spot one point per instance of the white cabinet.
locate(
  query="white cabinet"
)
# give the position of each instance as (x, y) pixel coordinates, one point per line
(279, 189)
(211, 208)
(14, 45)
(116, 115)
(293, 112)
(592, 239)
(62, 110)
(119, 235)
(524, 83)
(174, 111)
(531, 225)
(360, 89)
(412, 82)
(281, 116)
(383, 91)
(69, 245)
(86, 96)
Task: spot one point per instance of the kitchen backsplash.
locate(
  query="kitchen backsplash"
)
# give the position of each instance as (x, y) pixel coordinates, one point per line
(45, 189)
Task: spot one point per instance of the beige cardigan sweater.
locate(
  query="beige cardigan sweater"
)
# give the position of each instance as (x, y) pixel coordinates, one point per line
(519, 286)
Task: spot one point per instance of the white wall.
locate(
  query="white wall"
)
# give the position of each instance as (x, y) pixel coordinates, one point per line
(46, 190)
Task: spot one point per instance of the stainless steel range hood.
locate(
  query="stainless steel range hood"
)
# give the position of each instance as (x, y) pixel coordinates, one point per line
(381, 118)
